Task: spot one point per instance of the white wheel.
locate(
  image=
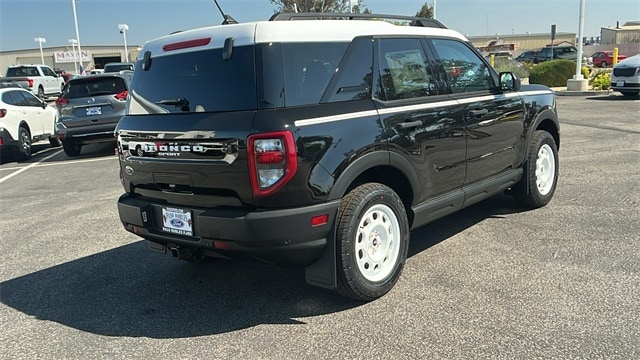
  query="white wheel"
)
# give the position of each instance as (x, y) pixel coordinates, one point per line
(372, 238)
(540, 176)
(545, 169)
(377, 242)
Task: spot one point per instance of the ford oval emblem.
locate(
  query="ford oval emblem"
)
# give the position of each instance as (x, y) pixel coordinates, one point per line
(177, 223)
(91, 100)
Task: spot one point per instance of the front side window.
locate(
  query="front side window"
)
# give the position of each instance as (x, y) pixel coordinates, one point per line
(465, 71)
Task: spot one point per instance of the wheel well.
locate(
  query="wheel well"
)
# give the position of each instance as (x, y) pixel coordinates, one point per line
(392, 178)
(24, 125)
(550, 127)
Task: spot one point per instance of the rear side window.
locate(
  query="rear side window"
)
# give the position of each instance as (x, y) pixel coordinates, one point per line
(404, 70)
(196, 81)
(308, 68)
(94, 87)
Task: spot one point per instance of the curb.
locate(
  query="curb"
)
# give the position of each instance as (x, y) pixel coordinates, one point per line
(564, 92)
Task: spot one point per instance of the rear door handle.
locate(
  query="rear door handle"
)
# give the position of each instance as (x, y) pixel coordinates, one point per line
(478, 112)
(410, 124)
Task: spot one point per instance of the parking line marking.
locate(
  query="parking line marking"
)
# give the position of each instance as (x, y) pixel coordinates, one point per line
(28, 167)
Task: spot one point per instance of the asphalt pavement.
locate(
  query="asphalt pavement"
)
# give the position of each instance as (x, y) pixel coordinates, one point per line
(492, 281)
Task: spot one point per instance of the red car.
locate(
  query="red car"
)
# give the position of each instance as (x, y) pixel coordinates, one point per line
(605, 58)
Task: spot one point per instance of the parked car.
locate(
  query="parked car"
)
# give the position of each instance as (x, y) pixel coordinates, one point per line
(604, 58)
(626, 76)
(568, 52)
(89, 109)
(283, 142)
(24, 120)
(116, 67)
(528, 56)
(39, 79)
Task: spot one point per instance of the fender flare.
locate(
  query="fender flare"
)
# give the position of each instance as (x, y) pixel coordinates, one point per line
(371, 160)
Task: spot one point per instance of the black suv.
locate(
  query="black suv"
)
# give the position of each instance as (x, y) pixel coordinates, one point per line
(321, 143)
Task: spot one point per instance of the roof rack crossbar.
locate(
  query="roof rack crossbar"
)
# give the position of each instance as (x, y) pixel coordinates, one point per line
(413, 20)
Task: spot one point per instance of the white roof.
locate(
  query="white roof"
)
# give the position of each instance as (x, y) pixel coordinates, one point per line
(288, 31)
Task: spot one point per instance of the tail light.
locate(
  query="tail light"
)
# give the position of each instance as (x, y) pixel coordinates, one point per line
(3, 112)
(272, 161)
(30, 81)
(61, 101)
(122, 96)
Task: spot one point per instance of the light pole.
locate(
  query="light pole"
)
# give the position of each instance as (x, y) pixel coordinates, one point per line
(434, 9)
(75, 56)
(40, 41)
(578, 82)
(123, 30)
(75, 20)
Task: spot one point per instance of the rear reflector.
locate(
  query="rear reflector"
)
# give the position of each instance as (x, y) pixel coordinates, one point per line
(319, 220)
(3, 112)
(186, 44)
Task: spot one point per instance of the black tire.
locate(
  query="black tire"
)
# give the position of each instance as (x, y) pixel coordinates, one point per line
(41, 92)
(369, 260)
(70, 148)
(603, 64)
(23, 152)
(54, 141)
(540, 176)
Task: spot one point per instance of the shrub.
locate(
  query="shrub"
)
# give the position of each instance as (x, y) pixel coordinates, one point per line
(505, 64)
(601, 80)
(552, 73)
(586, 72)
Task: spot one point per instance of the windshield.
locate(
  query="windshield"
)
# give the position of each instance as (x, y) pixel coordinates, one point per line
(197, 81)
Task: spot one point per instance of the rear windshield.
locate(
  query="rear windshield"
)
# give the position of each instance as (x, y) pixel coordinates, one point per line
(197, 81)
(94, 86)
(22, 71)
(118, 67)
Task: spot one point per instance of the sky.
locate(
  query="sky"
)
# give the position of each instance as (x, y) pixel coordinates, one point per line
(23, 20)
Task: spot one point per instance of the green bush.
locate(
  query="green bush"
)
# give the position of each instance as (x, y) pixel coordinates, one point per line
(586, 72)
(601, 80)
(552, 73)
(503, 64)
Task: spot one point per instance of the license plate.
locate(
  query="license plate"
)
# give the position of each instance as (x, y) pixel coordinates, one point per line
(177, 221)
(620, 83)
(94, 110)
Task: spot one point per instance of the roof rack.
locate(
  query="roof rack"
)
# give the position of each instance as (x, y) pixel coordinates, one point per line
(413, 20)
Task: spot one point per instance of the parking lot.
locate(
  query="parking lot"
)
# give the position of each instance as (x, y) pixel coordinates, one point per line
(492, 281)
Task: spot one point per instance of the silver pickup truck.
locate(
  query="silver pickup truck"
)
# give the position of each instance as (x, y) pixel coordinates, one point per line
(39, 79)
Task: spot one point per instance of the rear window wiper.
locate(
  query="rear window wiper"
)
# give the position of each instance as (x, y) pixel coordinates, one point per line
(181, 103)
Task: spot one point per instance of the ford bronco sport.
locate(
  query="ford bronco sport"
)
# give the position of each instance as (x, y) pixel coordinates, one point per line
(321, 140)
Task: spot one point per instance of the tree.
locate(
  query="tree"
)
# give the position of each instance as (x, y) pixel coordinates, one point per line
(425, 11)
(291, 6)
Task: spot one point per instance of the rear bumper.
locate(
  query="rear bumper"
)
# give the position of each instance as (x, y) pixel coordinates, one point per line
(282, 236)
(6, 140)
(88, 134)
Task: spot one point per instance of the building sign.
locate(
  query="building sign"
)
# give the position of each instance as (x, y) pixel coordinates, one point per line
(70, 56)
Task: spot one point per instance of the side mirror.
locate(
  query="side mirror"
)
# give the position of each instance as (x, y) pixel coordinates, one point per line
(509, 81)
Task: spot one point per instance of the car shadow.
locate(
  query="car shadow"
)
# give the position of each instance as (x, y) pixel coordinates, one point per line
(613, 96)
(130, 291)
